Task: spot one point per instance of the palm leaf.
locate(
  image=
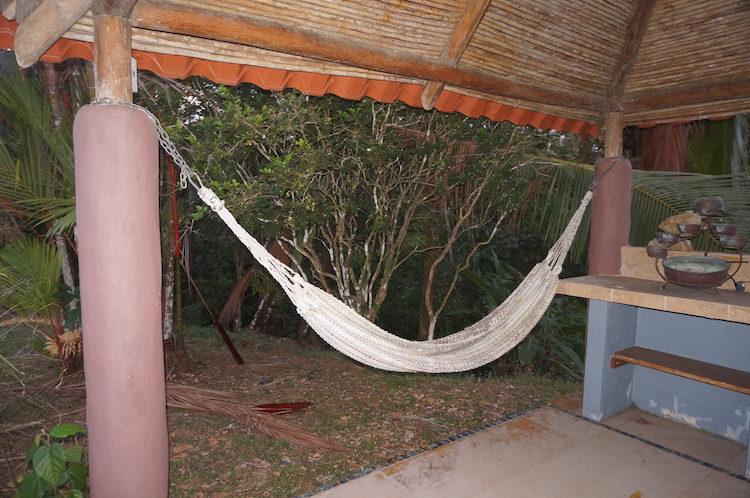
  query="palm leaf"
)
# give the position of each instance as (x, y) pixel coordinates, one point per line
(31, 268)
(720, 147)
(36, 156)
(560, 186)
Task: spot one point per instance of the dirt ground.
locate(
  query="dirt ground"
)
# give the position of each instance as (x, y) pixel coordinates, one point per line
(373, 415)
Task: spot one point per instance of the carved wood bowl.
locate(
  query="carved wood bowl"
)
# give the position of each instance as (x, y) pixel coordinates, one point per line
(696, 272)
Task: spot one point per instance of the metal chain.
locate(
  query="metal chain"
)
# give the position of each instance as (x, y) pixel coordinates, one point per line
(596, 181)
(186, 174)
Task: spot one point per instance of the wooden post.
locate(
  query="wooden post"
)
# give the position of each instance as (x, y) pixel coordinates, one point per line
(613, 134)
(610, 208)
(112, 49)
(117, 203)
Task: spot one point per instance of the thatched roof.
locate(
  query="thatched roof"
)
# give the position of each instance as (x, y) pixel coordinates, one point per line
(557, 64)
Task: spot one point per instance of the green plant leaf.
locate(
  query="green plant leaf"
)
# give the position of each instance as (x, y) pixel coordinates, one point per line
(74, 454)
(74, 493)
(78, 474)
(64, 430)
(49, 462)
(32, 449)
(527, 350)
(31, 487)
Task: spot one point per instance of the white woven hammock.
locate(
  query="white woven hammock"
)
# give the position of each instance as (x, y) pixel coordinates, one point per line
(352, 334)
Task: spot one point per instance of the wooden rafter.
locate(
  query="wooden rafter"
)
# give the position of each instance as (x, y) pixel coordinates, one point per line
(44, 26)
(634, 37)
(25, 7)
(8, 8)
(687, 96)
(198, 22)
(116, 8)
(456, 46)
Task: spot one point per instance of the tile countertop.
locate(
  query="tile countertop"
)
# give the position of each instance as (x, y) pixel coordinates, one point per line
(719, 304)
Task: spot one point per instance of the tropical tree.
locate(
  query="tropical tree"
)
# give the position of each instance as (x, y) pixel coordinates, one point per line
(352, 188)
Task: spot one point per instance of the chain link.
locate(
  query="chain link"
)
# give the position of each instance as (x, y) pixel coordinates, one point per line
(596, 181)
(186, 174)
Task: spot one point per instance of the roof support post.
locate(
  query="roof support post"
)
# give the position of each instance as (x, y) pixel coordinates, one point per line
(610, 208)
(117, 203)
(112, 49)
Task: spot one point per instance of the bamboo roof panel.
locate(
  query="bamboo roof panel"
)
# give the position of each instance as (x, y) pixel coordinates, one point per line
(558, 63)
(687, 42)
(522, 39)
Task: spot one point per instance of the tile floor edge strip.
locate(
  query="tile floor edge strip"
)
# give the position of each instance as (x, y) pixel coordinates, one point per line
(655, 445)
(424, 449)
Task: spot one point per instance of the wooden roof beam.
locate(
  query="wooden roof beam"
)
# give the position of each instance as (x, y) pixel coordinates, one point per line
(457, 44)
(38, 31)
(633, 39)
(710, 92)
(116, 8)
(197, 22)
(25, 7)
(8, 8)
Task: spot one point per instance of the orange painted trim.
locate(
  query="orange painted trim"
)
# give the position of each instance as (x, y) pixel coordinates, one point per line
(316, 84)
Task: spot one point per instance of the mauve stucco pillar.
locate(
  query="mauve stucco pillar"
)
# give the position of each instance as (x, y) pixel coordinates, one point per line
(117, 206)
(610, 215)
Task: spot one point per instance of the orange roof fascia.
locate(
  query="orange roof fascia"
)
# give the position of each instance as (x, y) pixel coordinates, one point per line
(316, 84)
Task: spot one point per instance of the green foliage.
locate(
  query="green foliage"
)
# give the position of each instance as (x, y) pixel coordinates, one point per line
(656, 194)
(556, 344)
(36, 155)
(55, 463)
(352, 186)
(31, 268)
(720, 147)
(559, 187)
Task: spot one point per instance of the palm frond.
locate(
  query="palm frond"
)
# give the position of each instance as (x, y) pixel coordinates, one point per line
(36, 156)
(720, 147)
(31, 268)
(657, 195)
(256, 418)
(557, 193)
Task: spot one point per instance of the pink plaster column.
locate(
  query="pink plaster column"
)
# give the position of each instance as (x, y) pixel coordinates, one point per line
(116, 161)
(610, 216)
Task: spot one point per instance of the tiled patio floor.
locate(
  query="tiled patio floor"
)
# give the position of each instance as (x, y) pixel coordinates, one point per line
(554, 452)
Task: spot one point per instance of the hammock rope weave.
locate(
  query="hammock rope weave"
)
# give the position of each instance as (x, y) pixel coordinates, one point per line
(352, 334)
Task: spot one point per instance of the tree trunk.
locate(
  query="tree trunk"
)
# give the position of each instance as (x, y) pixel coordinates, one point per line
(58, 115)
(168, 252)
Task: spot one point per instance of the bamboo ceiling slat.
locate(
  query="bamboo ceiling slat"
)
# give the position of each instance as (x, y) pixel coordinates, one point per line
(576, 59)
(679, 114)
(413, 30)
(692, 41)
(546, 58)
(212, 50)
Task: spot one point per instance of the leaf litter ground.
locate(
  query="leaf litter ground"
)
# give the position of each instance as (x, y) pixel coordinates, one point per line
(374, 415)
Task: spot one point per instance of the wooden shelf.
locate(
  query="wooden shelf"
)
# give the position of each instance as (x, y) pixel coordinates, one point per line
(716, 375)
